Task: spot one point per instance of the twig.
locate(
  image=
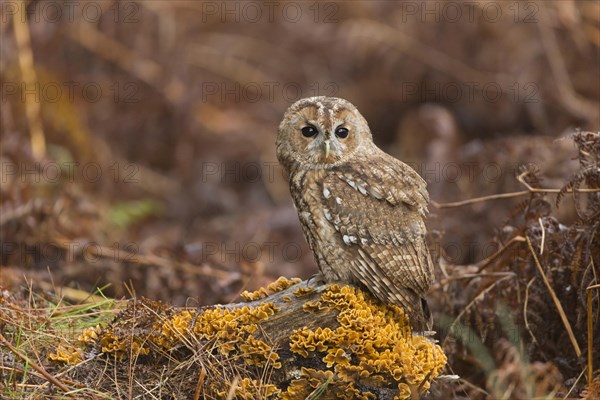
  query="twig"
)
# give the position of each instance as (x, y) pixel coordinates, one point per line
(559, 307)
(71, 368)
(481, 265)
(29, 77)
(39, 369)
(529, 190)
(525, 311)
(475, 387)
(567, 396)
(472, 302)
(543, 236)
(479, 199)
(37, 375)
(445, 281)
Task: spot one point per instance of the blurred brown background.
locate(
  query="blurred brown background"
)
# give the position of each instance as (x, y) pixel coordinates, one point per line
(155, 124)
(148, 127)
(138, 137)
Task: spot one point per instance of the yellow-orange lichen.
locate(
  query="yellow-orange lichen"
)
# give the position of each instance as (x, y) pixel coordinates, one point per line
(302, 291)
(66, 354)
(250, 389)
(324, 386)
(89, 335)
(226, 330)
(282, 283)
(373, 345)
(279, 285)
(314, 306)
(256, 295)
(111, 342)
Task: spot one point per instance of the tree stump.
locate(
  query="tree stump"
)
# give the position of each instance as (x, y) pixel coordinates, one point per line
(289, 341)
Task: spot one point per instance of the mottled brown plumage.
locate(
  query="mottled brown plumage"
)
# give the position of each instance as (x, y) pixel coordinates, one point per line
(361, 209)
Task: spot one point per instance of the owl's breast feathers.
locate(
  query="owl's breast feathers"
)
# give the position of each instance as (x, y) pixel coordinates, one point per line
(364, 222)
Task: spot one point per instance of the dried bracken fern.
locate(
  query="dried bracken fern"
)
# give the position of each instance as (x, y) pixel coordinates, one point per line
(569, 256)
(588, 146)
(592, 390)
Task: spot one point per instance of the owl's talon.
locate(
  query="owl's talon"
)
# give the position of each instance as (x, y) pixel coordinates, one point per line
(319, 279)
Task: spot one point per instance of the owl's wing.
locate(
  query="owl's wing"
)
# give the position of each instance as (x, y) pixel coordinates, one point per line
(377, 207)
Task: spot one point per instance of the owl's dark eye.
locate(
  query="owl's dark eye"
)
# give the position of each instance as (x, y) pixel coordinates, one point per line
(342, 133)
(309, 131)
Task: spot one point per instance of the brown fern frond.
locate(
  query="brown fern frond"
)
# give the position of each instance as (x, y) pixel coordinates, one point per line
(575, 265)
(592, 390)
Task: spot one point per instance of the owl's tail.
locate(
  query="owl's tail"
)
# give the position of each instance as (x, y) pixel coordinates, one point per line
(427, 317)
(419, 314)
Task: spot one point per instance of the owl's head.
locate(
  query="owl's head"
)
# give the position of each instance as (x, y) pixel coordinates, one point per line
(321, 132)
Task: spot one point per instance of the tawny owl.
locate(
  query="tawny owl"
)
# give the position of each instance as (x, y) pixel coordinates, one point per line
(361, 210)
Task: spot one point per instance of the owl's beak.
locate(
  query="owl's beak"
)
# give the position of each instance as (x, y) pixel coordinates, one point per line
(326, 148)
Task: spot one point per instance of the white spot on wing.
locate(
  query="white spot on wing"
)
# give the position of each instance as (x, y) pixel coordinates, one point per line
(349, 239)
(327, 214)
(338, 200)
(361, 189)
(326, 193)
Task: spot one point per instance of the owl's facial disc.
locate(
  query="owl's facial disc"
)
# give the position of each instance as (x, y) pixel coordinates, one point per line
(324, 147)
(321, 131)
(330, 134)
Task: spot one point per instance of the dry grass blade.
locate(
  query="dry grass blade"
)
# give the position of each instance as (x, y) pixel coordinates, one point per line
(73, 295)
(590, 330)
(233, 387)
(39, 369)
(200, 383)
(567, 396)
(487, 261)
(525, 319)
(472, 302)
(557, 303)
(320, 390)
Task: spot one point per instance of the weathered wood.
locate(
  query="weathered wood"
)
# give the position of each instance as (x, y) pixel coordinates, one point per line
(296, 311)
(291, 341)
